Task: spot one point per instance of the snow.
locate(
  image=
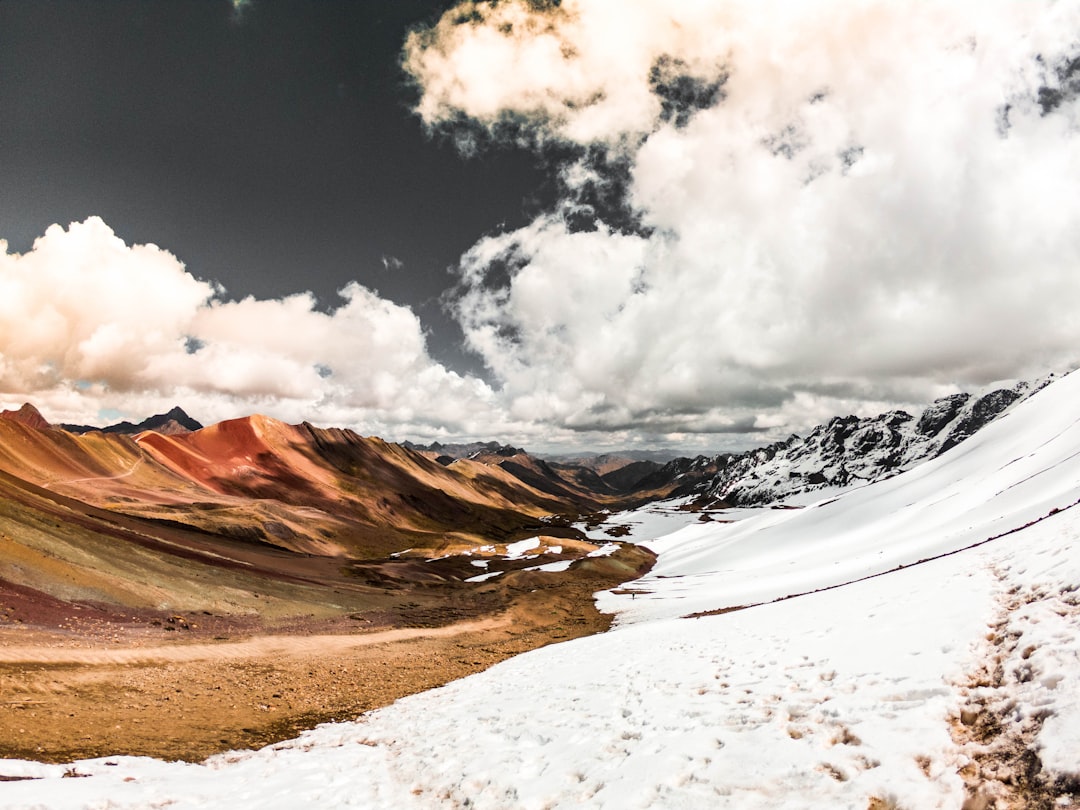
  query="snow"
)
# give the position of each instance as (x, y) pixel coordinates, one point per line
(485, 577)
(825, 700)
(520, 549)
(559, 565)
(646, 523)
(1015, 470)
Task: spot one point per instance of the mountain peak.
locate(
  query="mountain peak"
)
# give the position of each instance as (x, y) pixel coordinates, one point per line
(27, 415)
(180, 416)
(173, 422)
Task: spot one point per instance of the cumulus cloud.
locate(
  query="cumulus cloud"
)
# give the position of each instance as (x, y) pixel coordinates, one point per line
(89, 323)
(772, 211)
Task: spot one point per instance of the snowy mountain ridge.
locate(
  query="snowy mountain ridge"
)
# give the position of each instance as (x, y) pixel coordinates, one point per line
(849, 450)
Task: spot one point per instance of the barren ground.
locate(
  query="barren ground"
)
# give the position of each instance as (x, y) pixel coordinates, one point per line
(99, 687)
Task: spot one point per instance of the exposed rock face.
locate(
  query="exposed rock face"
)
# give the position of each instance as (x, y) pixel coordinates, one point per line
(28, 415)
(173, 422)
(628, 477)
(680, 476)
(848, 449)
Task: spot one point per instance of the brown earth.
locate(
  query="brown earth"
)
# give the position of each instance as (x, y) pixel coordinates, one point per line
(188, 686)
(178, 596)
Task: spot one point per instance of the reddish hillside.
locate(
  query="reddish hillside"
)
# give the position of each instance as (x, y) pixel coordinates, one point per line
(317, 486)
(253, 522)
(27, 415)
(306, 489)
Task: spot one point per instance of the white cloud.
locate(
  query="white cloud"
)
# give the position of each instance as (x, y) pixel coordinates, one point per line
(89, 323)
(829, 207)
(840, 204)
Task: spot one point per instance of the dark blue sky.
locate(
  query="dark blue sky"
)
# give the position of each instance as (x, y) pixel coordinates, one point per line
(273, 151)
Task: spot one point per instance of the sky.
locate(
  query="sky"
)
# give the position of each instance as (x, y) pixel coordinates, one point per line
(566, 225)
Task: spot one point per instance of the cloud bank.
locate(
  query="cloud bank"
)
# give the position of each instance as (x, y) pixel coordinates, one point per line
(88, 323)
(772, 212)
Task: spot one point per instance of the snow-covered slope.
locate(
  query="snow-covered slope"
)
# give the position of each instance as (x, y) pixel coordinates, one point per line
(915, 689)
(1018, 469)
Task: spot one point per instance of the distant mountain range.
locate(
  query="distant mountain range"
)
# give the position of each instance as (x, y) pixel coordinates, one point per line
(845, 451)
(842, 452)
(171, 423)
(168, 512)
(849, 450)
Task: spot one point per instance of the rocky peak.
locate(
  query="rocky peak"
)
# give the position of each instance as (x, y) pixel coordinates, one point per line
(847, 449)
(27, 415)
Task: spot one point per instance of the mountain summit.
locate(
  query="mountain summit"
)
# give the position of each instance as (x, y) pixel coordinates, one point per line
(172, 423)
(175, 421)
(28, 415)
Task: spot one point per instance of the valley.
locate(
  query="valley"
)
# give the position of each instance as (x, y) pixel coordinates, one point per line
(820, 625)
(186, 592)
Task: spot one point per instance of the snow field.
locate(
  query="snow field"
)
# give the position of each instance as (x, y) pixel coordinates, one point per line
(1016, 470)
(805, 702)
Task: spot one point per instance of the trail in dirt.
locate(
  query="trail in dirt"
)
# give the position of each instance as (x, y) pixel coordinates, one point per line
(257, 647)
(117, 477)
(190, 700)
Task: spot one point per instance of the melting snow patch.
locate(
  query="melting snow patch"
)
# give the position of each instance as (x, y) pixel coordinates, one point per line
(561, 565)
(484, 577)
(517, 551)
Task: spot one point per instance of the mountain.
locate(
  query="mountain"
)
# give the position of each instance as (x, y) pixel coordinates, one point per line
(171, 423)
(850, 450)
(644, 481)
(590, 481)
(606, 462)
(108, 516)
(845, 451)
(577, 485)
(628, 477)
(250, 517)
(27, 415)
(456, 451)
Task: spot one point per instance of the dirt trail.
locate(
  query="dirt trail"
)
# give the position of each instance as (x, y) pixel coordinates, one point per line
(257, 647)
(59, 703)
(126, 474)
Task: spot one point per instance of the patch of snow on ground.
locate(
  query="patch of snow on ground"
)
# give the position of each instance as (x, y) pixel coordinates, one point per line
(519, 550)
(560, 565)
(485, 577)
(645, 523)
(1016, 470)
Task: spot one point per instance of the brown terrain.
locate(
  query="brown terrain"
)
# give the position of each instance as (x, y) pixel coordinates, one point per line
(179, 595)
